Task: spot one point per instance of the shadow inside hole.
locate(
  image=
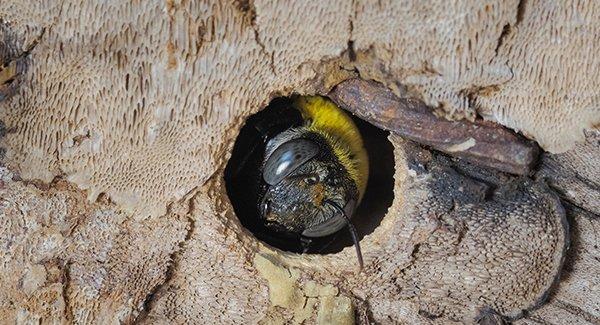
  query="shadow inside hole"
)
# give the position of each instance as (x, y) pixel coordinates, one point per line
(244, 185)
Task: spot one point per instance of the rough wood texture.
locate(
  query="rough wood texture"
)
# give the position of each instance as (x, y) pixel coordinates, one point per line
(449, 248)
(118, 93)
(576, 174)
(124, 112)
(480, 142)
(575, 299)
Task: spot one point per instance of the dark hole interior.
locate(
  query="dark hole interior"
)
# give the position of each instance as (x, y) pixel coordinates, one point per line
(243, 179)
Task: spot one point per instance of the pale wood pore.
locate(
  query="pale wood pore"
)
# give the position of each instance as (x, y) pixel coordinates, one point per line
(135, 105)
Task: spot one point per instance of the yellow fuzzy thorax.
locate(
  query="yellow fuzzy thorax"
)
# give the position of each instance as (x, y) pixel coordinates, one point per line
(341, 133)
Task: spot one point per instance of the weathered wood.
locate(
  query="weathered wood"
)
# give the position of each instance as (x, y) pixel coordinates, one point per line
(575, 299)
(7, 75)
(481, 142)
(138, 103)
(575, 174)
(13, 61)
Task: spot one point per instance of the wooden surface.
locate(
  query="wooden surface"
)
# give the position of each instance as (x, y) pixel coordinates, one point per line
(116, 132)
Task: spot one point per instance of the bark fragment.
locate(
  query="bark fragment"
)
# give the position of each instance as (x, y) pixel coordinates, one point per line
(480, 141)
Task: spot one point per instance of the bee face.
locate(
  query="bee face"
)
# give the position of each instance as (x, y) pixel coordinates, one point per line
(307, 190)
(297, 171)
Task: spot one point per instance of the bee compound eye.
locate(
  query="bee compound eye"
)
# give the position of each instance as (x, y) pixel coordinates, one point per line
(286, 158)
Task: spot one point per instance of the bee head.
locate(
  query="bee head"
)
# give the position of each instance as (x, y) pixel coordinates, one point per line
(306, 187)
(309, 192)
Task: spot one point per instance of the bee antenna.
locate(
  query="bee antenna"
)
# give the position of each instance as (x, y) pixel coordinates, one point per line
(352, 231)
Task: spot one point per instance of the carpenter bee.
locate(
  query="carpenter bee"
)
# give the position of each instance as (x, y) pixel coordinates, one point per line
(309, 167)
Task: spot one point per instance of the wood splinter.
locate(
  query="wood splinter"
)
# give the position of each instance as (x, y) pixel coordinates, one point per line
(481, 142)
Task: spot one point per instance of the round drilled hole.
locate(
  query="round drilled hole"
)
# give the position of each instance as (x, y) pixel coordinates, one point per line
(243, 179)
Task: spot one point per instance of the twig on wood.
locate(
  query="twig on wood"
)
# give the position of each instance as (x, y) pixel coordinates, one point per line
(481, 142)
